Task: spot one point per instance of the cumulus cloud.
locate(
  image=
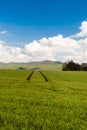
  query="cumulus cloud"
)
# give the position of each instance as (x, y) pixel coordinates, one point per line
(53, 48)
(83, 30)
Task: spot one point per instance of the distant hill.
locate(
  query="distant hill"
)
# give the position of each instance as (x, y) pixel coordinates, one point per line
(50, 62)
(47, 64)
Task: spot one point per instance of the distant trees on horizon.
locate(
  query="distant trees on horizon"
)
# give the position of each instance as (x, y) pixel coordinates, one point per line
(72, 66)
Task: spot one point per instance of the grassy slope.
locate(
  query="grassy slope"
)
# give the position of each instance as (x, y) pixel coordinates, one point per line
(60, 104)
(45, 66)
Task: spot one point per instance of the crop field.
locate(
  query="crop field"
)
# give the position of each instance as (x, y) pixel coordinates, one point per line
(43, 100)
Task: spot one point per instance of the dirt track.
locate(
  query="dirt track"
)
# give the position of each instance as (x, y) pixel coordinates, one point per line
(30, 76)
(43, 76)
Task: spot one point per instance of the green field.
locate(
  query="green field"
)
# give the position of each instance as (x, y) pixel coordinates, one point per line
(59, 104)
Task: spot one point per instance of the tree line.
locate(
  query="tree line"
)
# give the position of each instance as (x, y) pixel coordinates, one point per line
(72, 66)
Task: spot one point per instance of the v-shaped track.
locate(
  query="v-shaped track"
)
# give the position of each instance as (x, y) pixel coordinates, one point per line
(37, 76)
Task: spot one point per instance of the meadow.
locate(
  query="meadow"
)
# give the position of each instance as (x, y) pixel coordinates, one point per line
(58, 104)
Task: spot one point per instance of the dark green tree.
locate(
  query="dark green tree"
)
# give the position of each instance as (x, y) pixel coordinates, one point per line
(84, 66)
(72, 66)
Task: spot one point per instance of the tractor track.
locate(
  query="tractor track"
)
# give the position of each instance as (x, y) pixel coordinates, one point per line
(30, 76)
(43, 76)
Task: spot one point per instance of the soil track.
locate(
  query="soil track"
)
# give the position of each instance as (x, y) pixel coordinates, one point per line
(45, 78)
(29, 77)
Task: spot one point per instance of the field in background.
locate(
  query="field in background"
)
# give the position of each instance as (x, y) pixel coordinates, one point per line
(59, 104)
(44, 65)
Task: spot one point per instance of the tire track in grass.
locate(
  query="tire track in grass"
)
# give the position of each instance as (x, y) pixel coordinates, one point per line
(29, 77)
(44, 76)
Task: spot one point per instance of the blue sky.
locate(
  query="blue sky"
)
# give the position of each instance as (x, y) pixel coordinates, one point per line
(27, 20)
(24, 21)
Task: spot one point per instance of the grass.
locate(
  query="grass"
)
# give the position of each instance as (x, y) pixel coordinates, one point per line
(37, 77)
(59, 104)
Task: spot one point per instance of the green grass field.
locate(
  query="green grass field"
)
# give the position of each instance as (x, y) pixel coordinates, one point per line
(59, 104)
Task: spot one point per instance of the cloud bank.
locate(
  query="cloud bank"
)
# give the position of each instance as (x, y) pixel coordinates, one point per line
(53, 48)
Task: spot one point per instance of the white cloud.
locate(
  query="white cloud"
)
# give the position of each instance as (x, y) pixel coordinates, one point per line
(83, 32)
(2, 42)
(3, 32)
(53, 48)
